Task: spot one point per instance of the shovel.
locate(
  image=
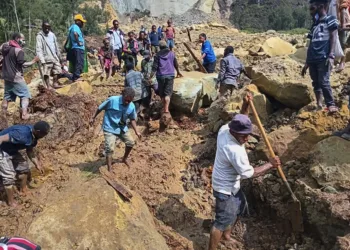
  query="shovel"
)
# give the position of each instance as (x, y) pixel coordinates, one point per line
(294, 207)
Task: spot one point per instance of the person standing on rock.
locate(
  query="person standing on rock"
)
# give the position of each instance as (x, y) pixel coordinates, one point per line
(49, 54)
(164, 66)
(118, 111)
(208, 54)
(230, 70)
(320, 54)
(12, 73)
(75, 45)
(12, 163)
(116, 38)
(231, 165)
(170, 35)
(154, 40)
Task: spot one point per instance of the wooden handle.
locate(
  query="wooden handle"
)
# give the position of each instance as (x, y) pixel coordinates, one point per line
(266, 139)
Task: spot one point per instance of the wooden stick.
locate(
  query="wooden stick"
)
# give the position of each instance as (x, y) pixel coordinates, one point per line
(111, 180)
(189, 34)
(272, 153)
(201, 67)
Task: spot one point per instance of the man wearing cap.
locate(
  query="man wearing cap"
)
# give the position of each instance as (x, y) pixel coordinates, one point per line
(76, 53)
(231, 165)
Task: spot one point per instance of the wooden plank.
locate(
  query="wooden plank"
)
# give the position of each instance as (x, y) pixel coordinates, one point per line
(189, 34)
(111, 180)
(201, 68)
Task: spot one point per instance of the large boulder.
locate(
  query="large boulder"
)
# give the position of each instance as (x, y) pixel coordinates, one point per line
(193, 91)
(222, 110)
(90, 215)
(289, 143)
(275, 46)
(331, 165)
(280, 78)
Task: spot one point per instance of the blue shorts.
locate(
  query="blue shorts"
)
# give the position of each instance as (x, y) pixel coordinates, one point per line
(227, 209)
(14, 90)
(170, 43)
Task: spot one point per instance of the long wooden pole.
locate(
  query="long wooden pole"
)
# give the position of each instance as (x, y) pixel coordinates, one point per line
(201, 67)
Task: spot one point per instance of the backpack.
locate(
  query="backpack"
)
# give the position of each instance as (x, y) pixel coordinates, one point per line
(17, 244)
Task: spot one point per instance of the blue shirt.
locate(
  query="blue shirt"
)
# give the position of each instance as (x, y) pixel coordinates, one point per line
(21, 137)
(154, 38)
(208, 50)
(76, 28)
(116, 115)
(320, 39)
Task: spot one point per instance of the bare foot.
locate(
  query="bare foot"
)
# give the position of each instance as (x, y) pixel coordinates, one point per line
(56, 86)
(25, 116)
(13, 204)
(231, 243)
(126, 162)
(25, 192)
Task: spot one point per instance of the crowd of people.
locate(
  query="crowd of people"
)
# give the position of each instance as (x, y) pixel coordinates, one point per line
(159, 67)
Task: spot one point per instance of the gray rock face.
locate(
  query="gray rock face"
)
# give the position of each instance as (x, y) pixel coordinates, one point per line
(156, 8)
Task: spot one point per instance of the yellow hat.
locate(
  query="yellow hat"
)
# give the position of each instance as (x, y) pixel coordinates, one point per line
(79, 17)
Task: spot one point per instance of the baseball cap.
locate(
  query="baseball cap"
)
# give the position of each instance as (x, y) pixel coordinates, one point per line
(79, 17)
(146, 54)
(241, 124)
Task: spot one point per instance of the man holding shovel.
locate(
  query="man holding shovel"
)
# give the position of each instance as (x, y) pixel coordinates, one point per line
(231, 165)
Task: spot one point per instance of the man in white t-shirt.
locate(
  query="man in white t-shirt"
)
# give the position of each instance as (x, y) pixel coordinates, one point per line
(116, 38)
(231, 165)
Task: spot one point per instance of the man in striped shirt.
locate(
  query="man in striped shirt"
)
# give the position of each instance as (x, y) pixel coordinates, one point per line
(320, 54)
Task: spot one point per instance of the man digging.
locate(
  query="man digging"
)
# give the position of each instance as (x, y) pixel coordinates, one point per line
(118, 110)
(12, 163)
(231, 165)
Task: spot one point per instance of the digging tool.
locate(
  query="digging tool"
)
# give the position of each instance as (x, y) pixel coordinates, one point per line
(294, 206)
(189, 34)
(200, 65)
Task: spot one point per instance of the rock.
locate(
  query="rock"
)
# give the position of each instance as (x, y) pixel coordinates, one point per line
(75, 88)
(343, 243)
(331, 165)
(206, 6)
(328, 214)
(193, 91)
(289, 144)
(275, 46)
(219, 52)
(218, 25)
(280, 78)
(261, 103)
(93, 216)
(255, 49)
(330, 189)
(271, 32)
(300, 55)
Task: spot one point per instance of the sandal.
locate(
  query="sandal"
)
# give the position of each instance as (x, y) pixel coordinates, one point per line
(333, 109)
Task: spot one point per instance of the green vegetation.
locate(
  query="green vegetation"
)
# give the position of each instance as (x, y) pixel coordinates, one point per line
(270, 14)
(59, 13)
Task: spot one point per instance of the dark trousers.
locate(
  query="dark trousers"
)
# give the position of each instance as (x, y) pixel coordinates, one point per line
(210, 67)
(77, 58)
(118, 54)
(320, 73)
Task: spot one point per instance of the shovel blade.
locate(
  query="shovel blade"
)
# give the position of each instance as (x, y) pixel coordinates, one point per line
(295, 215)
